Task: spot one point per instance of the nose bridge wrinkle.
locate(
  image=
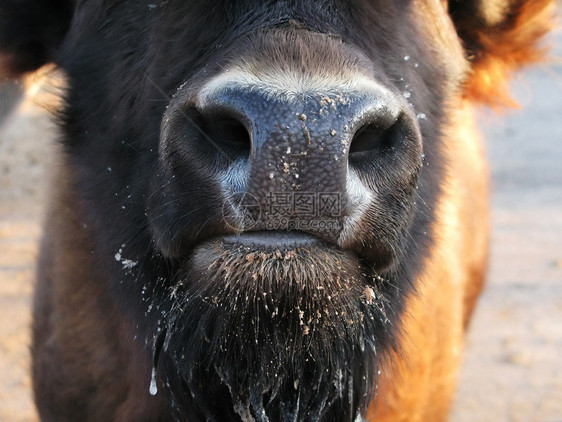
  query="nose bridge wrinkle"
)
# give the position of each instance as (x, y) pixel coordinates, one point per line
(302, 144)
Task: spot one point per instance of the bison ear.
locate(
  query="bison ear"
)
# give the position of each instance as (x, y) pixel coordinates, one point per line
(31, 32)
(499, 36)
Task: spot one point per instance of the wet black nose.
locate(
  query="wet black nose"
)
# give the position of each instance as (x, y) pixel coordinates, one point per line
(306, 154)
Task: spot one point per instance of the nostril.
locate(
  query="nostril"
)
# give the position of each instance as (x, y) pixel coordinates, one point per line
(229, 132)
(367, 138)
(222, 130)
(376, 138)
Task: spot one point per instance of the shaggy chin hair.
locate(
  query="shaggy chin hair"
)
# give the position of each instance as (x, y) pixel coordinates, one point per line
(272, 335)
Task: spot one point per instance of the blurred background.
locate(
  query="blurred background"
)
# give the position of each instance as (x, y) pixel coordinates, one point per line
(512, 367)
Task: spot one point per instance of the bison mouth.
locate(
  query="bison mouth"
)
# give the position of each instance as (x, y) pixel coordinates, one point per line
(272, 327)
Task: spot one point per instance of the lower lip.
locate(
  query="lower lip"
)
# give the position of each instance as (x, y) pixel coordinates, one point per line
(271, 240)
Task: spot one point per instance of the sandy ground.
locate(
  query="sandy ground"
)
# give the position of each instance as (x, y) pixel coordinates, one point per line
(512, 368)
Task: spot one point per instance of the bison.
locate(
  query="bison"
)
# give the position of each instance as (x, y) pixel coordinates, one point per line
(264, 210)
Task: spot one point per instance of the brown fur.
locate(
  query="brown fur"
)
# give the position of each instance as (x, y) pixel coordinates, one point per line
(423, 375)
(78, 322)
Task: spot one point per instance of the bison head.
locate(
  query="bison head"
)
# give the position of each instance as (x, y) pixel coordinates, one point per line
(285, 192)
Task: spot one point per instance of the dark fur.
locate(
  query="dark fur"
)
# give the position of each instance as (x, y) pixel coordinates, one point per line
(131, 274)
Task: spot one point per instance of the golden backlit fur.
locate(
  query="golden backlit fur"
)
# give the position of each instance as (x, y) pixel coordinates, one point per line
(503, 46)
